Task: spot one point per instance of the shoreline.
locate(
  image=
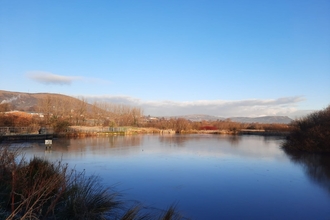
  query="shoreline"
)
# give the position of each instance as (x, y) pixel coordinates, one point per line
(81, 132)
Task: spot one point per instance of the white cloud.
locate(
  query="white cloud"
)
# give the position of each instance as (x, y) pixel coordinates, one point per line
(249, 108)
(50, 78)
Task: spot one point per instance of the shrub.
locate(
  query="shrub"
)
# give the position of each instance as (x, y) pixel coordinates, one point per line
(311, 133)
(208, 127)
(39, 189)
(60, 126)
(86, 198)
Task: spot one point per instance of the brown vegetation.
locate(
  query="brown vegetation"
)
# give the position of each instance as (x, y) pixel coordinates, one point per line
(59, 112)
(5, 107)
(79, 112)
(310, 133)
(74, 110)
(38, 189)
(15, 119)
(27, 122)
(183, 125)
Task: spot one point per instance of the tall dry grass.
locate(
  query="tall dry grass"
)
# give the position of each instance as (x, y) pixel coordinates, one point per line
(39, 189)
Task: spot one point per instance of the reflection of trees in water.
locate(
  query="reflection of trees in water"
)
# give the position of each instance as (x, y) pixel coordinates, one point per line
(112, 142)
(180, 140)
(61, 144)
(177, 139)
(316, 166)
(95, 143)
(66, 145)
(234, 139)
(271, 138)
(125, 141)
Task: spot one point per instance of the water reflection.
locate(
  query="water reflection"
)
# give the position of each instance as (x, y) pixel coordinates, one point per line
(175, 140)
(125, 141)
(209, 145)
(82, 147)
(98, 143)
(234, 140)
(316, 166)
(181, 140)
(211, 176)
(204, 145)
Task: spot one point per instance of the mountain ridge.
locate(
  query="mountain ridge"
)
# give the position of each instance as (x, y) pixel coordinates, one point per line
(23, 101)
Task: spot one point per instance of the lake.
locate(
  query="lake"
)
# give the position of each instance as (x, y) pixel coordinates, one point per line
(207, 176)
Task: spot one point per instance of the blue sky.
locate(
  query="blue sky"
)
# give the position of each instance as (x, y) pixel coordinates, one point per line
(225, 58)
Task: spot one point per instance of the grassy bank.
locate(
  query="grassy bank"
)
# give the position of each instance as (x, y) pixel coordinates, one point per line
(39, 189)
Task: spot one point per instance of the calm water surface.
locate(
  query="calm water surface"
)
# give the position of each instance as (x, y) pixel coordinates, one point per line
(208, 176)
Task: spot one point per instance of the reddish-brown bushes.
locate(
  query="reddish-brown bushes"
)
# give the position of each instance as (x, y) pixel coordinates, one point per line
(15, 119)
(208, 127)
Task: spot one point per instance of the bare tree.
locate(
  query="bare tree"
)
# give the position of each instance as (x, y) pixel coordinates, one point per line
(80, 111)
(46, 108)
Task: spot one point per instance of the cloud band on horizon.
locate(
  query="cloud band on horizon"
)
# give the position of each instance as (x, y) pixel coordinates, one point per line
(247, 108)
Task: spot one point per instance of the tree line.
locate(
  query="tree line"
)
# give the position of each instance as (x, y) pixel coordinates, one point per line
(80, 112)
(59, 112)
(182, 125)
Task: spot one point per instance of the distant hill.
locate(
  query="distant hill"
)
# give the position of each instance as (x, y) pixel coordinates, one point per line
(263, 120)
(29, 101)
(199, 117)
